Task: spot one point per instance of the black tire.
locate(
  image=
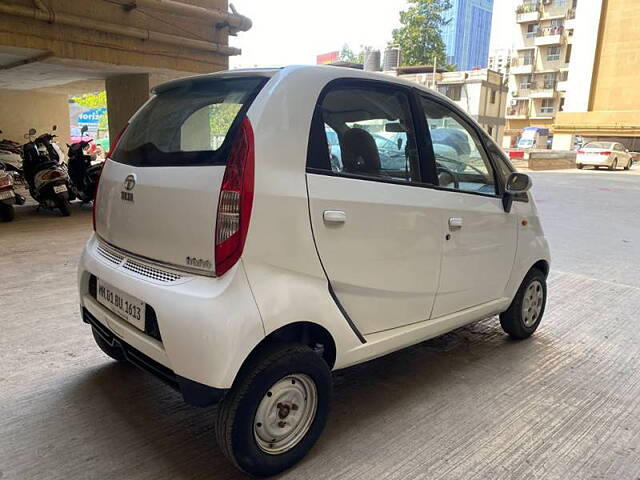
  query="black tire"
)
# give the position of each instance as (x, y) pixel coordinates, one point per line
(628, 166)
(513, 320)
(614, 165)
(237, 413)
(580, 166)
(7, 212)
(65, 207)
(114, 352)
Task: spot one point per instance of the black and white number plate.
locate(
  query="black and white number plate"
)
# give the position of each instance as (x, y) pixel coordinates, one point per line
(122, 304)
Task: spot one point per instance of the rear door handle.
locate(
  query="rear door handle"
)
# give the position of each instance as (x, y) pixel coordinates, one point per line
(455, 223)
(334, 216)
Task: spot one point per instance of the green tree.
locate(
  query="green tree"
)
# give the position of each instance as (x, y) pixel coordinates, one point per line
(420, 36)
(347, 55)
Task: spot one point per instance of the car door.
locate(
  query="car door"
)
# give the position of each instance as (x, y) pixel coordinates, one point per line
(376, 235)
(481, 238)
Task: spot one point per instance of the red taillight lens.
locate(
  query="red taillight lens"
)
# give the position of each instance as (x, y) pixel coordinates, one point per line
(605, 153)
(51, 175)
(95, 199)
(113, 145)
(6, 181)
(580, 151)
(236, 200)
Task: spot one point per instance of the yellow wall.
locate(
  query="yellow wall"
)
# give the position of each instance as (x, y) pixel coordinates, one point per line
(21, 110)
(617, 69)
(614, 107)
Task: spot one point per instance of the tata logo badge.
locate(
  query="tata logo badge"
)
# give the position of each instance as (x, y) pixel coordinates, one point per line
(129, 184)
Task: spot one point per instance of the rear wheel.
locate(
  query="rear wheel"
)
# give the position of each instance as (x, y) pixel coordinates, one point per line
(65, 207)
(114, 352)
(580, 166)
(614, 165)
(7, 212)
(276, 410)
(527, 308)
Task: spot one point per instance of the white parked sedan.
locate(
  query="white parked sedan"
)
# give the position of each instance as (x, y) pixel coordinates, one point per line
(604, 154)
(234, 260)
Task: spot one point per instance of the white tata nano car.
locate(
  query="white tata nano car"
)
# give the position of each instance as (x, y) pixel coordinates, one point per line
(240, 256)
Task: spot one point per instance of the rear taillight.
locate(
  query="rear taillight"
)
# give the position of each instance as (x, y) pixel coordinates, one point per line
(112, 146)
(6, 181)
(95, 198)
(52, 175)
(580, 152)
(236, 200)
(605, 153)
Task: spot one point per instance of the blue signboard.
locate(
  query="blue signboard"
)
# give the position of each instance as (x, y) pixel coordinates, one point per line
(91, 117)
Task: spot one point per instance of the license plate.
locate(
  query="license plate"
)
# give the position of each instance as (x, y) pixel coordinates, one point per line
(122, 304)
(59, 188)
(6, 195)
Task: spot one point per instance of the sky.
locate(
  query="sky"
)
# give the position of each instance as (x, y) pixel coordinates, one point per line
(289, 32)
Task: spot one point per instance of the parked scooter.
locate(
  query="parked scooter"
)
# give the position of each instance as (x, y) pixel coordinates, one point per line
(83, 172)
(11, 156)
(8, 197)
(46, 177)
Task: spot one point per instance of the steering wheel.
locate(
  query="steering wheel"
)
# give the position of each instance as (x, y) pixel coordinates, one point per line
(441, 170)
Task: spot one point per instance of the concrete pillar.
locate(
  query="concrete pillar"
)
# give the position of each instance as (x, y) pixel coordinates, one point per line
(563, 141)
(125, 94)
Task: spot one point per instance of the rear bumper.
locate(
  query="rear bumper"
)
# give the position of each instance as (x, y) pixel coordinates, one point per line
(594, 161)
(207, 326)
(194, 393)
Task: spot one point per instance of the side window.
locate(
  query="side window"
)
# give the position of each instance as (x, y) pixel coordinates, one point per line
(369, 133)
(461, 161)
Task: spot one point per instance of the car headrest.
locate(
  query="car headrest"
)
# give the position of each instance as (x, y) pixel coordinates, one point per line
(359, 152)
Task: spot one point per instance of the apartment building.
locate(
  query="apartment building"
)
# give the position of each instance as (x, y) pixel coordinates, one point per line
(539, 64)
(500, 60)
(481, 93)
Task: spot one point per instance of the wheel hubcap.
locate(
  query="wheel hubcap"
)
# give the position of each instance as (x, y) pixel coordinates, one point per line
(532, 303)
(285, 413)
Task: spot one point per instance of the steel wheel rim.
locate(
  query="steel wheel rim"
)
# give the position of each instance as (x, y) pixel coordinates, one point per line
(532, 303)
(285, 413)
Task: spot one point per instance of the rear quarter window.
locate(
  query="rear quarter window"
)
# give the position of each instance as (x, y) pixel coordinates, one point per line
(192, 123)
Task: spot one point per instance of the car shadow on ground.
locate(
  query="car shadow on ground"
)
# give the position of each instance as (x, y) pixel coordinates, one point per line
(145, 426)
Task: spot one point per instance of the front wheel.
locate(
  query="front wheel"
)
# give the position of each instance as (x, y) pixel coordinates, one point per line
(276, 410)
(65, 207)
(527, 308)
(7, 212)
(628, 165)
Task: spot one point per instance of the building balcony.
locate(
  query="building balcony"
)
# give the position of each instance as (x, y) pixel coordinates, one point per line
(545, 91)
(521, 66)
(528, 17)
(516, 113)
(544, 113)
(549, 36)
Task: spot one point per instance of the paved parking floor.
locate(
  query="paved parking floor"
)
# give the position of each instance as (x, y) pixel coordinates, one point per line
(469, 405)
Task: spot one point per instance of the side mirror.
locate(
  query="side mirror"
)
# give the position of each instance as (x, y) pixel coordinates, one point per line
(54, 128)
(517, 183)
(83, 129)
(32, 131)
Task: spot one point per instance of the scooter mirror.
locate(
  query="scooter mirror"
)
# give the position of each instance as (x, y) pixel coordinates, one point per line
(55, 127)
(32, 131)
(84, 129)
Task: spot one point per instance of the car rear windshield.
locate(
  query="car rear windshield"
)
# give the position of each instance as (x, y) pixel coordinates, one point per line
(601, 145)
(191, 123)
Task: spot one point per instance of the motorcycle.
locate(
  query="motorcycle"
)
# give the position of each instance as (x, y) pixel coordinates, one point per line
(11, 157)
(45, 174)
(83, 172)
(8, 197)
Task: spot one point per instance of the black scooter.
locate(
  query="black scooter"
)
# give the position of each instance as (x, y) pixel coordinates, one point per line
(46, 176)
(84, 176)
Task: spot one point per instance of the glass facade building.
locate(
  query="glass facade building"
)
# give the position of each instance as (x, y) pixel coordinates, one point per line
(468, 33)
